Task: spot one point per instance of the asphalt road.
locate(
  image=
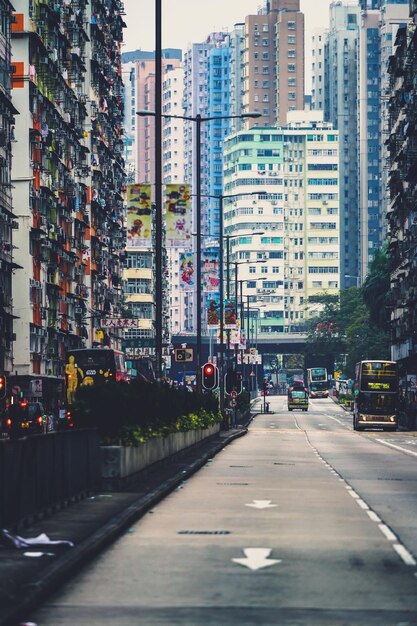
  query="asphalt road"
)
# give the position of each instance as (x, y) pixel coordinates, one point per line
(302, 522)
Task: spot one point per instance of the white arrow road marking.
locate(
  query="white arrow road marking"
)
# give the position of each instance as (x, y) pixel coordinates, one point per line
(257, 558)
(262, 504)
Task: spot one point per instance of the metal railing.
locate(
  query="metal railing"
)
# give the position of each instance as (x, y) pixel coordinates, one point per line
(45, 471)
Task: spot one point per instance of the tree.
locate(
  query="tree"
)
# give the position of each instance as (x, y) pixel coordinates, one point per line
(345, 329)
(376, 290)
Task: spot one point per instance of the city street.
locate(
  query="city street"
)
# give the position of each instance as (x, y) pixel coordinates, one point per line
(301, 522)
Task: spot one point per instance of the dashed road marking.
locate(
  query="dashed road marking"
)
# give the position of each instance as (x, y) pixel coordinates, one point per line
(404, 554)
(387, 532)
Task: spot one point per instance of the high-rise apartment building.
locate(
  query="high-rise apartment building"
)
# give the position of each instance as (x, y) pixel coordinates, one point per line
(356, 52)
(68, 184)
(284, 244)
(318, 66)
(273, 62)
(402, 213)
(338, 97)
(8, 222)
(145, 101)
(379, 23)
(394, 14)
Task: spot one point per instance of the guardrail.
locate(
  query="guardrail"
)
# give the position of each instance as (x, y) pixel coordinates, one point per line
(45, 471)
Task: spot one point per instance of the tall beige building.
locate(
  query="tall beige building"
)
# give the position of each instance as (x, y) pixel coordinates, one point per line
(273, 66)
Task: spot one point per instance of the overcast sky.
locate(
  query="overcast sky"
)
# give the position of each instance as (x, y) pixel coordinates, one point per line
(190, 21)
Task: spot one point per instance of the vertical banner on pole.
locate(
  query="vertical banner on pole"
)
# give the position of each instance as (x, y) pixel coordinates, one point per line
(210, 272)
(178, 215)
(230, 317)
(138, 216)
(213, 319)
(187, 278)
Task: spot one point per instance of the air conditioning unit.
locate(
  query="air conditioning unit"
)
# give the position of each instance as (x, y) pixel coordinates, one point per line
(78, 310)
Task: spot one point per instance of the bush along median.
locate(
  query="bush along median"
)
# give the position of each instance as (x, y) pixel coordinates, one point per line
(131, 413)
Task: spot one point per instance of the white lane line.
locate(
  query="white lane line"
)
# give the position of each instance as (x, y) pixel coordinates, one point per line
(391, 445)
(362, 504)
(354, 494)
(404, 554)
(387, 532)
(374, 517)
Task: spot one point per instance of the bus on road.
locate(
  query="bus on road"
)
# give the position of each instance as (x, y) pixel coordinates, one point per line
(86, 366)
(317, 382)
(375, 395)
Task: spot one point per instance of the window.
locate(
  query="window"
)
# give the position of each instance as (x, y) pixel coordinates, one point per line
(291, 67)
(291, 25)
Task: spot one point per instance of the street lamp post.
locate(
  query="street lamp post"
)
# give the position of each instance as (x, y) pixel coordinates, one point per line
(198, 119)
(357, 278)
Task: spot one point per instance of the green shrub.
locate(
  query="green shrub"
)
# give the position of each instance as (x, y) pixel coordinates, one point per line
(134, 412)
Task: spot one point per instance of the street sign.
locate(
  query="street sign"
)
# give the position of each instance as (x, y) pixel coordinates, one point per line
(183, 355)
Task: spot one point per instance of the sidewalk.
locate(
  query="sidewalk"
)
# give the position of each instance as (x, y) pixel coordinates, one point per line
(91, 524)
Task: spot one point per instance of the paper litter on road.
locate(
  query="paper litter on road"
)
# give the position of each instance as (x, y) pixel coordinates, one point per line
(10, 540)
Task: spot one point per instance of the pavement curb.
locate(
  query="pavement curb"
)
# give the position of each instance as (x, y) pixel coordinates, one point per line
(28, 597)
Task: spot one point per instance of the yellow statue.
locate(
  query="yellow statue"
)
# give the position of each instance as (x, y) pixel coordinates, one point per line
(72, 371)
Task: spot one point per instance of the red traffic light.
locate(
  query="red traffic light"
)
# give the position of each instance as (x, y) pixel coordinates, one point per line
(210, 376)
(2, 386)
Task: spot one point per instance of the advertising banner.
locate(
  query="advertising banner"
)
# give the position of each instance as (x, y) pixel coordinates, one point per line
(138, 216)
(230, 316)
(210, 272)
(178, 215)
(213, 312)
(187, 277)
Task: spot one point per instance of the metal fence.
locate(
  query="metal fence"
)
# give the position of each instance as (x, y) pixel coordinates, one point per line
(43, 471)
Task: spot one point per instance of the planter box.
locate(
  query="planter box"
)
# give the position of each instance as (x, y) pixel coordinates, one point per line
(120, 462)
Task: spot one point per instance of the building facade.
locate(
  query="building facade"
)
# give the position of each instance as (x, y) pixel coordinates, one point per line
(283, 244)
(68, 181)
(8, 221)
(273, 62)
(402, 214)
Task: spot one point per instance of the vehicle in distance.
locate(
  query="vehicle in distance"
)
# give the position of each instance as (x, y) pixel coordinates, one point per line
(317, 382)
(297, 399)
(375, 395)
(24, 418)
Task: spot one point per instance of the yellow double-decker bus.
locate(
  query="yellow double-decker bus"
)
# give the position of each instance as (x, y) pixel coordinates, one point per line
(375, 395)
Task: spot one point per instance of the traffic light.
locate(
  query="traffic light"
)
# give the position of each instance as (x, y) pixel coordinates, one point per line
(210, 376)
(233, 382)
(2, 386)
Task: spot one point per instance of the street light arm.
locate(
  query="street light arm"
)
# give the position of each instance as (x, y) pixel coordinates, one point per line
(252, 115)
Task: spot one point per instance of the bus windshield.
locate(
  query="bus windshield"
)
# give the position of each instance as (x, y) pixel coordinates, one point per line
(379, 376)
(297, 393)
(317, 374)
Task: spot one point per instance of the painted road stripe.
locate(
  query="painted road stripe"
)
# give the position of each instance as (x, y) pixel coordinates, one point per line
(391, 445)
(374, 517)
(362, 504)
(404, 554)
(387, 532)
(353, 494)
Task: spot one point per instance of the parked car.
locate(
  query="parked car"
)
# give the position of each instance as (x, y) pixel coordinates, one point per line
(24, 418)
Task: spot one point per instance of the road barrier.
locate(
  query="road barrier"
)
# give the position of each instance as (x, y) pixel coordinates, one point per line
(45, 471)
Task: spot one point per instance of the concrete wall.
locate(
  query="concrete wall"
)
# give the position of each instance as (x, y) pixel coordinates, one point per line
(123, 461)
